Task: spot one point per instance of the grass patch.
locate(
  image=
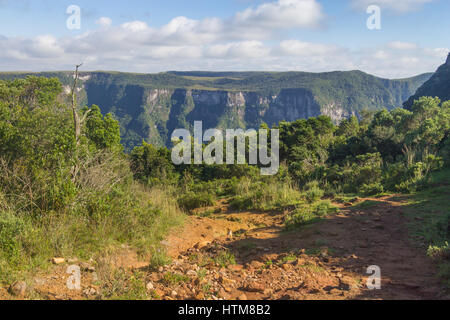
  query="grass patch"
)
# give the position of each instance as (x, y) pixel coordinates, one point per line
(428, 211)
(224, 258)
(171, 278)
(305, 215)
(191, 200)
(366, 204)
(273, 195)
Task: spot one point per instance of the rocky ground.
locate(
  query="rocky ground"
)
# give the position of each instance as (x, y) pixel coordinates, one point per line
(220, 254)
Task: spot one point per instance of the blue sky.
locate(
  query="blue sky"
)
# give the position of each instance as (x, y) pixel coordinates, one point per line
(279, 35)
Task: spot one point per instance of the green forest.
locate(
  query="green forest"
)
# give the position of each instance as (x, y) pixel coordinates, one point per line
(69, 195)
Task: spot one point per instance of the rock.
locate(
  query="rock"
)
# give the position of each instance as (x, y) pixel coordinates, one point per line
(39, 281)
(90, 292)
(18, 289)
(150, 286)
(226, 282)
(268, 291)
(200, 296)
(191, 273)
(254, 287)
(287, 266)
(300, 262)
(235, 267)
(58, 260)
(347, 283)
(86, 267)
(202, 244)
(242, 297)
(173, 294)
(223, 294)
(255, 265)
(159, 293)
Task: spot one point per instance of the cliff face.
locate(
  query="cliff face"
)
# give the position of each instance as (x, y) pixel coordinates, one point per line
(437, 86)
(151, 106)
(164, 110)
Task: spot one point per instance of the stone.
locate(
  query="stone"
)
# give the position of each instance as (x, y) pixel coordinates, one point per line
(223, 294)
(18, 289)
(202, 244)
(39, 281)
(90, 292)
(58, 260)
(254, 287)
(86, 267)
(173, 294)
(150, 286)
(200, 296)
(191, 273)
(255, 265)
(159, 293)
(235, 267)
(242, 297)
(226, 282)
(287, 266)
(268, 291)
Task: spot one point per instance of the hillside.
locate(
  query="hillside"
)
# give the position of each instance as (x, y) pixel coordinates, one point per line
(150, 106)
(437, 86)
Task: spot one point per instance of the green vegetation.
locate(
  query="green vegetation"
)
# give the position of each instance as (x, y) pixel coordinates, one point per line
(308, 214)
(437, 86)
(150, 106)
(429, 214)
(63, 196)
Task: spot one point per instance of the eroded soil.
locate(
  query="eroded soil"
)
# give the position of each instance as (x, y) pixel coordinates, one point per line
(248, 255)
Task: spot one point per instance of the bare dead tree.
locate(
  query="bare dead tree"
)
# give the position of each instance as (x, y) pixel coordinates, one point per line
(76, 118)
(77, 121)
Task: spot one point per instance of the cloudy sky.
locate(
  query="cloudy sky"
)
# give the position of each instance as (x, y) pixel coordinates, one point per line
(231, 35)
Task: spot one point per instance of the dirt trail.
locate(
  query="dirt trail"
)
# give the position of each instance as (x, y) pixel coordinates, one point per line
(248, 255)
(326, 260)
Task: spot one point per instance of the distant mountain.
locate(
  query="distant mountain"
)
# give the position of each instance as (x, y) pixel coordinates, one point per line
(150, 106)
(437, 86)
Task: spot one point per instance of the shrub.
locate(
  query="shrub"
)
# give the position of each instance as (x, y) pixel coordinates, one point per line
(12, 228)
(224, 258)
(265, 195)
(439, 252)
(309, 214)
(191, 200)
(371, 189)
(313, 192)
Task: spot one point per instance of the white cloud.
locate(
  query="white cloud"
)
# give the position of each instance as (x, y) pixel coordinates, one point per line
(282, 14)
(237, 43)
(400, 6)
(238, 50)
(299, 48)
(399, 45)
(104, 22)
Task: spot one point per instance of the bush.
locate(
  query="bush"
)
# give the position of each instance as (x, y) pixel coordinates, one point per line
(191, 200)
(309, 214)
(12, 228)
(371, 189)
(439, 252)
(270, 194)
(313, 192)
